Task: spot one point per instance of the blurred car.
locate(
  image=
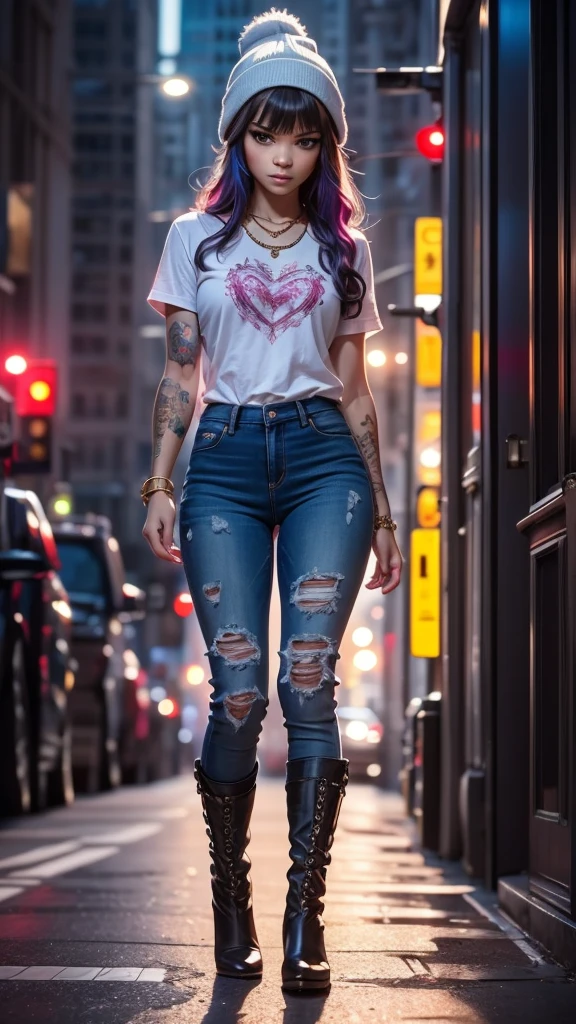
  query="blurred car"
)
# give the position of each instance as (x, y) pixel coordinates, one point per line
(36, 676)
(104, 706)
(362, 740)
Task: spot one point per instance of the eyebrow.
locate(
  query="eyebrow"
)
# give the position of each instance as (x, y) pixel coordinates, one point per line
(312, 131)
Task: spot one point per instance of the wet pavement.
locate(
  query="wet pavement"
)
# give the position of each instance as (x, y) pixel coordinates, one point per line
(115, 889)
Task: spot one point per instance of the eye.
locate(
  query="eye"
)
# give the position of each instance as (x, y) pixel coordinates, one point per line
(260, 136)
(312, 143)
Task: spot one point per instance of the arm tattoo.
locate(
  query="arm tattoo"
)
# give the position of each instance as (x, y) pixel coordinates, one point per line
(183, 343)
(369, 448)
(169, 413)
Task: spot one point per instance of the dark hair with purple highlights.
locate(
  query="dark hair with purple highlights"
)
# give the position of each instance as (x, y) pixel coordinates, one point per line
(332, 201)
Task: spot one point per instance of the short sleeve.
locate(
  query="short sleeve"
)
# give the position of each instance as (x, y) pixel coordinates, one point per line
(368, 322)
(176, 278)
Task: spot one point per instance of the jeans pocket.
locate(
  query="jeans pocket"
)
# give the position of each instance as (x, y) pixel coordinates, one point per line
(329, 422)
(208, 435)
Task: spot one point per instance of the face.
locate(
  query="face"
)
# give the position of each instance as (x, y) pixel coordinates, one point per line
(280, 163)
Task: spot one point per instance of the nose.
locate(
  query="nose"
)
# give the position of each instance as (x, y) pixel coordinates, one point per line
(283, 160)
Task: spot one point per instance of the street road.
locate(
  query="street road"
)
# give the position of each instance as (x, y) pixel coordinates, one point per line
(116, 890)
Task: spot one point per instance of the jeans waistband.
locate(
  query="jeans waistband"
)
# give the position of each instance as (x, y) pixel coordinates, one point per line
(267, 415)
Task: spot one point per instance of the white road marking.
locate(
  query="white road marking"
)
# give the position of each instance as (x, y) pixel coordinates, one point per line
(78, 974)
(150, 974)
(119, 974)
(131, 834)
(38, 853)
(68, 863)
(7, 894)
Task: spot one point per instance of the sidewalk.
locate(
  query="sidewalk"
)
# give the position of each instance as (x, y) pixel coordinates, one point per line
(117, 887)
(408, 938)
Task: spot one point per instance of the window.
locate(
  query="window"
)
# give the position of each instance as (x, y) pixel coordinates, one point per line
(91, 88)
(125, 253)
(92, 225)
(78, 405)
(124, 314)
(92, 170)
(93, 142)
(99, 407)
(123, 349)
(90, 254)
(121, 406)
(98, 459)
(95, 282)
(96, 311)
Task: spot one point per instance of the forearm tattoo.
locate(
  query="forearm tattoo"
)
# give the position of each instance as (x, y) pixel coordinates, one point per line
(368, 442)
(183, 343)
(170, 412)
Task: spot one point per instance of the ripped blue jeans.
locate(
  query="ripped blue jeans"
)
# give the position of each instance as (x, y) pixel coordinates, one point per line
(295, 465)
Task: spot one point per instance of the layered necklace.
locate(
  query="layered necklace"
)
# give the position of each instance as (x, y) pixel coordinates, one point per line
(275, 249)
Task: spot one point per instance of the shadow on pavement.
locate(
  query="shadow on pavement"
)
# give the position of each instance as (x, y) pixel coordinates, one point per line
(228, 998)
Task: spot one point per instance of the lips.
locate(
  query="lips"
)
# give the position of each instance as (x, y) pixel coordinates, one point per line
(280, 177)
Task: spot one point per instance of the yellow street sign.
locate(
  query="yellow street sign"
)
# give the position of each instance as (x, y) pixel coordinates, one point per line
(428, 256)
(428, 356)
(425, 593)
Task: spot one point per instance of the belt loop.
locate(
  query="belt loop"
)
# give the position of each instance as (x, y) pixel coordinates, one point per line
(302, 414)
(233, 417)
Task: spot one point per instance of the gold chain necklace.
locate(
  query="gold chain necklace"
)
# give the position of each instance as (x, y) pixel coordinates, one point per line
(275, 234)
(273, 249)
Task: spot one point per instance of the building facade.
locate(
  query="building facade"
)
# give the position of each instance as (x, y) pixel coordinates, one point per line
(35, 158)
(114, 49)
(509, 682)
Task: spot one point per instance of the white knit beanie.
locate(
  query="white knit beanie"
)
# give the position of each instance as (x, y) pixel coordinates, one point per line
(276, 50)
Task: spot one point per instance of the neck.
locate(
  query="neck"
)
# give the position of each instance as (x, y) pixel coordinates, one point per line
(265, 204)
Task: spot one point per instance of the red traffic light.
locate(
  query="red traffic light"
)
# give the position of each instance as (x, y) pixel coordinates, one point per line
(183, 604)
(430, 142)
(36, 388)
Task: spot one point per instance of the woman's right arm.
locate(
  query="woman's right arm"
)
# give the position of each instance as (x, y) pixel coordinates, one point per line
(172, 414)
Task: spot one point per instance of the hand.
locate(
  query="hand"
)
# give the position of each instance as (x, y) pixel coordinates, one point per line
(159, 527)
(388, 561)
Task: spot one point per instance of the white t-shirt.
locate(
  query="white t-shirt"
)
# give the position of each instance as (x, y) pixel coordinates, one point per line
(266, 323)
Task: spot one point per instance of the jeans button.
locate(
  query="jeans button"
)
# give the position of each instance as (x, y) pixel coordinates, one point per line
(272, 414)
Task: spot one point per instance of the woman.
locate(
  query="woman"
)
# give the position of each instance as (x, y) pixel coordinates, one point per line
(270, 281)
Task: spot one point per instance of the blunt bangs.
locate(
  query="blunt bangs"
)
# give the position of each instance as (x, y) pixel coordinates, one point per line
(286, 111)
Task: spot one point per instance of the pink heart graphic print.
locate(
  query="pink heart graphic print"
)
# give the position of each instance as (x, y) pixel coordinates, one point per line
(273, 304)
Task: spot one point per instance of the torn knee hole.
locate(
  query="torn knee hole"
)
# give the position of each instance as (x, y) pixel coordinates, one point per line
(237, 646)
(308, 672)
(307, 662)
(238, 704)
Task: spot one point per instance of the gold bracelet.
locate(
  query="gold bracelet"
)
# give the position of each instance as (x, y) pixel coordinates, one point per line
(154, 479)
(386, 521)
(152, 490)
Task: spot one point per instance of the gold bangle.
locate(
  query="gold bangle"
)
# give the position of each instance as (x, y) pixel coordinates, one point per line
(155, 479)
(146, 495)
(386, 521)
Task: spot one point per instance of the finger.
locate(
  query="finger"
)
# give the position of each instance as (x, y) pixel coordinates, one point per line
(393, 581)
(154, 539)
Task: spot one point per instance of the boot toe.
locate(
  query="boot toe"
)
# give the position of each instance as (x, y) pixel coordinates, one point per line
(241, 962)
(300, 975)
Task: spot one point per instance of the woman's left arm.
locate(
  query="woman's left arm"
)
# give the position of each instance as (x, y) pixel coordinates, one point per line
(348, 360)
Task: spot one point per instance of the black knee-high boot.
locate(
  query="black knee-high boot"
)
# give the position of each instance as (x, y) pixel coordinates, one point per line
(227, 809)
(315, 787)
